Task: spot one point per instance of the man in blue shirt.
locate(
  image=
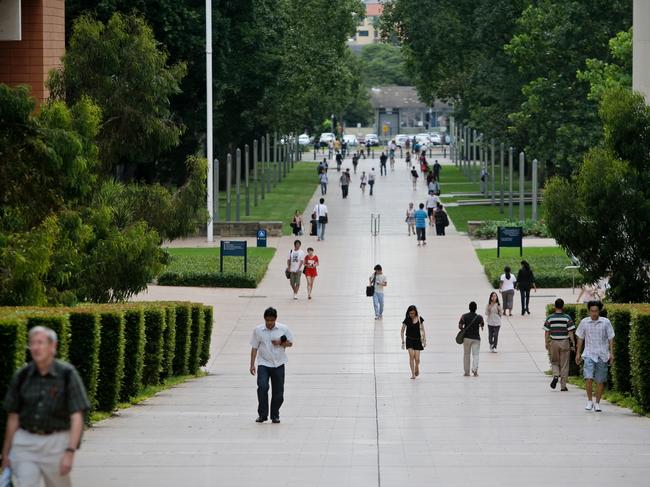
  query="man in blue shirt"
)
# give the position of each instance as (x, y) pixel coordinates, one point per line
(421, 225)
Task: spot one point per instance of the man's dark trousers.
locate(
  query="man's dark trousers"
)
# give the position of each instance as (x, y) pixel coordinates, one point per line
(276, 374)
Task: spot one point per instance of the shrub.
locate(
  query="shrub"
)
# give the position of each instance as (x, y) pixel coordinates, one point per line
(60, 324)
(183, 336)
(169, 340)
(196, 338)
(487, 230)
(111, 359)
(85, 339)
(13, 342)
(154, 326)
(620, 319)
(640, 357)
(134, 342)
(208, 314)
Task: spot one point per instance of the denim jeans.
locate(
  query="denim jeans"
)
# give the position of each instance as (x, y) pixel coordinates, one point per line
(276, 374)
(371, 184)
(321, 230)
(323, 188)
(378, 303)
(493, 335)
(525, 299)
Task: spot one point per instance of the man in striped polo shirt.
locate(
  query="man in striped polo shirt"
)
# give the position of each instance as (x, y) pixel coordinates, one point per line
(559, 336)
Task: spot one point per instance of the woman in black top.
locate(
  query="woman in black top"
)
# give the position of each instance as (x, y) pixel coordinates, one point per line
(416, 338)
(525, 280)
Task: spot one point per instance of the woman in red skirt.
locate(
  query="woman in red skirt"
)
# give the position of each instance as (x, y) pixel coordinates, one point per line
(311, 263)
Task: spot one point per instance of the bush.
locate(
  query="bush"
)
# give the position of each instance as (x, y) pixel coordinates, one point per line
(60, 324)
(169, 342)
(13, 342)
(111, 359)
(488, 229)
(196, 338)
(134, 342)
(208, 314)
(549, 270)
(85, 339)
(620, 376)
(640, 357)
(154, 325)
(183, 336)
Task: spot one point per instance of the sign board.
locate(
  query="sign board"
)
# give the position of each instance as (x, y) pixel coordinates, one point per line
(388, 110)
(261, 238)
(10, 20)
(510, 237)
(234, 248)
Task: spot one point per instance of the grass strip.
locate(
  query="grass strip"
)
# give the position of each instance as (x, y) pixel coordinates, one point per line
(615, 397)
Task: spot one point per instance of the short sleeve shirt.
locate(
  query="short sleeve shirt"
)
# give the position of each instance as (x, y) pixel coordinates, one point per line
(559, 325)
(596, 335)
(296, 258)
(268, 354)
(471, 323)
(508, 284)
(421, 219)
(380, 280)
(320, 210)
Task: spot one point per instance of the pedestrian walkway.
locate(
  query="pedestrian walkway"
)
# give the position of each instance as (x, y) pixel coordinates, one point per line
(352, 416)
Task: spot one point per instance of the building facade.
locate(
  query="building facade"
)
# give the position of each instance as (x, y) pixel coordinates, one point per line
(367, 30)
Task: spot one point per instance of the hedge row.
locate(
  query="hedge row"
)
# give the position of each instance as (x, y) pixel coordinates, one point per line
(631, 345)
(117, 349)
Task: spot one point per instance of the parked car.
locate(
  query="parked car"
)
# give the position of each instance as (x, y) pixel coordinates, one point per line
(304, 139)
(372, 140)
(435, 138)
(400, 139)
(351, 139)
(326, 138)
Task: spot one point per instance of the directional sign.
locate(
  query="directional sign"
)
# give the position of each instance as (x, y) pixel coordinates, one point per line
(261, 238)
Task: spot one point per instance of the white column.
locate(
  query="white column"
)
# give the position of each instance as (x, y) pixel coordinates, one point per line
(641, 48)
(208, 86)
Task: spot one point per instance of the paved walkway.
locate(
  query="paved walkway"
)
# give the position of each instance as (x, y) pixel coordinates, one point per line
(352, 416)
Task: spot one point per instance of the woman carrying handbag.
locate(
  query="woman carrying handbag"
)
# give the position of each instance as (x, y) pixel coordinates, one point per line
(416, 338)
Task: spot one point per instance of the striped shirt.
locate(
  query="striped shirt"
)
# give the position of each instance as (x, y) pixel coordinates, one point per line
(596, 335)
(559, 325)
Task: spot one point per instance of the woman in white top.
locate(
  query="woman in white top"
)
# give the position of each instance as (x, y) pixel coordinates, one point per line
(589, 292)
(507, 288)
(493, 318)
(363, 180)
(410, 218)
(321, 217)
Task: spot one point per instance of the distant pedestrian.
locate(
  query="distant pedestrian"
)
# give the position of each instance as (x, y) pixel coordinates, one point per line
(363, 180)
(434, 187)
(597, 335)
(493, 316)
(559, 339)
(408, 158)
(371, 180)
(421, 225)
(416, 338)
(410, 219)
(339, 161)
(313, 231)
(470, 322)
(379, 281)
(311, 263)
(323, 166)
(344, 180)
(46, 403)
(344, 149)
(436, 170)
(432, 204)
(321, 215)
(268, 351)
(525, 280)
(507, 288)
(382, 164)
(414, 178)
(355, 162)
(295, 264)
(441, 219)
(323, 183)
(589, 292)
(296, 223)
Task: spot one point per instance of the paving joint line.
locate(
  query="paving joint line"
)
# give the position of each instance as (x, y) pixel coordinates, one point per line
(374, 374)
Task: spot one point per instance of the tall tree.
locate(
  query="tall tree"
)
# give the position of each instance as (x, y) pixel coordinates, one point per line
(382, 64)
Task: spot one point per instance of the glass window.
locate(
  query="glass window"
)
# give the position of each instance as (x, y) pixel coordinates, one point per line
(362, 33)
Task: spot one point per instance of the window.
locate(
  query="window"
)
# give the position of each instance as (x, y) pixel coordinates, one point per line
(363, 33)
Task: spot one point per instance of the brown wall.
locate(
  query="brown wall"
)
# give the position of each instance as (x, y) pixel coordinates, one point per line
(28, 62)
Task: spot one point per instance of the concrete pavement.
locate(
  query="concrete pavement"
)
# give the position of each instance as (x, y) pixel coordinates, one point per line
(352, 416)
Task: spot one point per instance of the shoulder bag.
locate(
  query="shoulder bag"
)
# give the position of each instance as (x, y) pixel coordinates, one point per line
(370, 290)
(460, 336)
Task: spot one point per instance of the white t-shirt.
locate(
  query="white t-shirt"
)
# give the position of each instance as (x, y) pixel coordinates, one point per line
(268, 354)
(323, 177)
(364, 179)
(380, 280)
(320, 210)
(432, 201)
(296, 258)
(507, 284)
(371, 177)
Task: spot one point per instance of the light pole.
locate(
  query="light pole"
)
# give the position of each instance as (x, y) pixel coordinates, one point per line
(208, 86)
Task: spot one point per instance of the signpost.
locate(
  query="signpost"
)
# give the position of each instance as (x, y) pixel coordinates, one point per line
(261, 238)
(234, 248)
(510, 237)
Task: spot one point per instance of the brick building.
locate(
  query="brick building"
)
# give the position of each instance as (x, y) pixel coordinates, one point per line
(32, 42)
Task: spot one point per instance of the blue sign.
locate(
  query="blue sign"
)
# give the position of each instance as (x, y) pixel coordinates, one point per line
(261, 238)
(234, 248)
(510, 237)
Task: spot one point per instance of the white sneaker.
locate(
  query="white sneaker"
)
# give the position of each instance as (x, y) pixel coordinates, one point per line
(589, 406)
(295, 296)
(597, 408)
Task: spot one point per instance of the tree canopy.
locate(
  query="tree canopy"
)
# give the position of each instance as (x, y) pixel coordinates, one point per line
(382, 64)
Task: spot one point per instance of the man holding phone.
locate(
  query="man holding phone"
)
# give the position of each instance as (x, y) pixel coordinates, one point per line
(268, 352)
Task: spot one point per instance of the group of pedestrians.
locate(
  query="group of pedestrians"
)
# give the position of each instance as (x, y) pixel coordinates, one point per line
(299, 263)
(524, 281)
(418, 219)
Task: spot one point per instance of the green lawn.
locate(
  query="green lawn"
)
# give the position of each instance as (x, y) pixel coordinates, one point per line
(200, 267)
(547, 263)
(460, 215)
(291, 194)
(452, 180)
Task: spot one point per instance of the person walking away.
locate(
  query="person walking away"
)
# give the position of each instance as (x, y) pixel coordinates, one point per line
(525, 280)
(344, 180)
(296, 223)
(470, 322)
(416, 338)
(589, 292)
(355, 162)
(597, 335)
(295, 264)
(268, 351)
(434, 187)
(321, 215)
(441, 218)
(432, 203)
(421, 225)
(363, 181)
(424, 166)
(46, 403)
(323, 183)
(314, 225)
(339, 161)
(382, 164)
(507, 288)
(493, 316)
(414, 178)
(410, 219)
(559, 339)
(436, 170)
(330, 149)
(392, 147)
(379, 281)
(311, 263)
(371, 180)
(408, 158)
(344, 149)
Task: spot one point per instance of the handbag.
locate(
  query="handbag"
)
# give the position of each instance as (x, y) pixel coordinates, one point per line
(370, 290)
(322, 219)
(460, 336)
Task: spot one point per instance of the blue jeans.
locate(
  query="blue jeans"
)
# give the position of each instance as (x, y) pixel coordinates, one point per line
(323, 188)
(378, 303)
(321, 230)
(595, 370)
(276, 374)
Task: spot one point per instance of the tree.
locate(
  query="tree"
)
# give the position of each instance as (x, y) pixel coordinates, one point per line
(122, 68)
(382, 64)
(602, 214)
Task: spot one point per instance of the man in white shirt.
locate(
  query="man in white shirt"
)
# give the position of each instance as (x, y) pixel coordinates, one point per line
(371, 180)
(321, 217)
(295, 264)
(379, 281)
(597, 335)
(432, 203)
(268, 351)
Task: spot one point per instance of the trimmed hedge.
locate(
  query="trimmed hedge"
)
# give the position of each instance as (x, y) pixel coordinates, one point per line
(208, 315)
(640, 358)
(134, 340)
(620, 376)
(169, 340)
(183, 338)
(154, 326)
(196, 338)
(13, 342)
(85, 339)
(60, 324)
(111, 359)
